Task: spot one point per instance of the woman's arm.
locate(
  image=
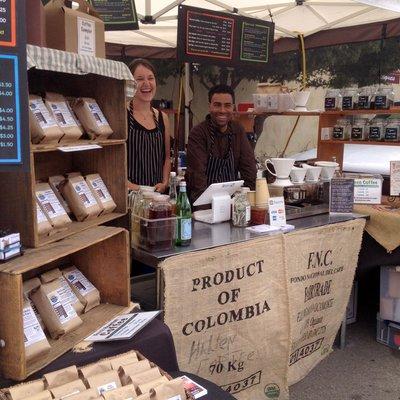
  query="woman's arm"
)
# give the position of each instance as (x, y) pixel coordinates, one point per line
(162, 186)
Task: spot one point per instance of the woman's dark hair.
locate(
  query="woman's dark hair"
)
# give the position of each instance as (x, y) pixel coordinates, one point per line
(221, 89)
(141, 61)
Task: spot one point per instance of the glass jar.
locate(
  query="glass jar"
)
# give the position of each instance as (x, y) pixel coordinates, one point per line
(383, 98)
(333, 100)
(359, 129)
(341, 130)
(349, 98)
(376, 131)
(144, 215)
(241, 212)
(160, 230)
(392, 130)
(364, 98)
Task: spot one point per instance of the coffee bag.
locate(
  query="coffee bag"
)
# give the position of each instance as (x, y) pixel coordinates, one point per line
(68, 389)
(42, 221)
(92, 118)
(28, 287)
(89, 394)
(87, 294)
(95, 369)
(51, 206)
(60, 110)
(124, 359)
(133, 369)
(43, 127)
(46, 395)
(26, 390)
(146, 387)
(80, 198)
(144, 377)
(104, 382)
(124, 393)
(145, 396)
(61, 377)
(101, 193)
(171, 389)
(55, 182)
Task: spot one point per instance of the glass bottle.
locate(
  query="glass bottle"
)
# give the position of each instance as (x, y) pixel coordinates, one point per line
(172, 190)
(241, 214)
(376, 131)
(392, 133)
(184, 215)
(349, 98)
(341, 130)
(359, 129)
(333, 100)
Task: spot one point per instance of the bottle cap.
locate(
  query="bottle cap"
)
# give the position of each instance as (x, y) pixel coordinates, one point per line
(182, 183)
(172, 174)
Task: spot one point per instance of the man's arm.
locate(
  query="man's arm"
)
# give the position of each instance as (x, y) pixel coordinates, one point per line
(247, 161)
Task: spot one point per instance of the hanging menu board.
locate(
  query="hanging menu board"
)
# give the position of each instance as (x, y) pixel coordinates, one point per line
(13, 85)
(118, 15)
(222, 38)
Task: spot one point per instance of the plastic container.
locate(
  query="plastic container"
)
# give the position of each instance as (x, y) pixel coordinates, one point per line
(349, 98)
(364, 98)
(390, 293)
(359, 129)
(383, 98)
(341, 130)
(392, 129)
(333, 100)
(376, 130)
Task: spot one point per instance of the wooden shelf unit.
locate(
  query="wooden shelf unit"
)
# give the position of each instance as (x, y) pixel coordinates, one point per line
(334, 148)
(103, 256)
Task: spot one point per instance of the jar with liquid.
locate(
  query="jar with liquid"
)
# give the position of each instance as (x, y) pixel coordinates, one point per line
(359, 129)
(333, 100)
(364, 98)
(341, 130)
(160, 230)
(349, 98)
(376, 130)
(383, 98)
(241, 212)
(392, 128)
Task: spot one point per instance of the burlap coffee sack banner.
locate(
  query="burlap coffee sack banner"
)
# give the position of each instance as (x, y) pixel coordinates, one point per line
(321, 263)
(227, 309)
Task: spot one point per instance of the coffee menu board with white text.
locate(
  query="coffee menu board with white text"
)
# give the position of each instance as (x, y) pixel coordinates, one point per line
(13, 85)
(117, 14)
(223, 38)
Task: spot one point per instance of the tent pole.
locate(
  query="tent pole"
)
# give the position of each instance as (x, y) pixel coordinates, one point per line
(187, 100)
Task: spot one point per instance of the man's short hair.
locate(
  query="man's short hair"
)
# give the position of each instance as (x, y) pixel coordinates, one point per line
(221, 89)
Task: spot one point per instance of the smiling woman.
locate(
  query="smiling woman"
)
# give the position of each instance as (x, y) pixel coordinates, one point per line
(148, 133)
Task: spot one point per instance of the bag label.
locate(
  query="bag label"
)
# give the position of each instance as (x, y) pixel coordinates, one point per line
(50, 203)
(78, 280)
(33, 332)
(83, 191)
(97, 114)
(62, 114)
(60, 301)
(86, 37)
(42, 114)
(101, 190)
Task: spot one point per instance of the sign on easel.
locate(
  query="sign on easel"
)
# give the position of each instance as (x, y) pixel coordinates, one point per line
(341, 196)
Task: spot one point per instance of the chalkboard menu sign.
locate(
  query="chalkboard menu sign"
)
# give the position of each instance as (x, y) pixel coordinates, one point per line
(118, 15)
(222, 38)
(341, 199)
(13, 85)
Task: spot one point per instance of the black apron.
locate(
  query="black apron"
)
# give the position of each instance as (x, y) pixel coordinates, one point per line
(220, 169)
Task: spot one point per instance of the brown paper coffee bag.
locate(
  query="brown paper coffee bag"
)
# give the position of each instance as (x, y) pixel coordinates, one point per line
(60, 110)
(35, 341)
(133, 369)
(89, 394)
(53, 300)
(124, 393)
(95, 369)
(145, 396)
(28, 287)
(144, 377)
(55, 274)
(80, 198)
(104, 382)
(124, 359)
(171, 389)
(51, 206)
(26, 390)
(84, 290)
(61, 377)
(55, 182)
(146, 387)
(43, 127)
(101, 193)
(43, 223)
(46, 395)
(68, 389)
(92, 118)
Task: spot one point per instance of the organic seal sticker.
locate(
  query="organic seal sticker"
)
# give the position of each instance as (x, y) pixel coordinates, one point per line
(272, 391)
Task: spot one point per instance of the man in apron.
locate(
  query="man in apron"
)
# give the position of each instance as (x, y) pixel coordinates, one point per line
(218, 149)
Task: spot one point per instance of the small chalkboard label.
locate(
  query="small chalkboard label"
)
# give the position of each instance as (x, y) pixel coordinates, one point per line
(338, 132)
(347, 102)
(363, 102)
(356, 133)
(391, 133)
(341, 198)
(374, 132)
(330, 103)
(380, 102)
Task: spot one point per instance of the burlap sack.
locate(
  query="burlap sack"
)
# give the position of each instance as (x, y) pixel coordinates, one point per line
(92, 118)
(26, 390)
(51, 206)
(35, 341)
(61, 377)
(55, 182)
(56, 274)
(321, 263)
(170, 389)
(144, 377)
(101, 193)
(68, 389)
(123, 393)
(43, 127)
(104, 382)
(60, 110)
(122, 360)
(148, 386)
(84, 290)
(28, 287)
(80, 198)
(227, 309)
(43, 223)
(95, 369)
(89, 394)
(133, 369)
(53, 301)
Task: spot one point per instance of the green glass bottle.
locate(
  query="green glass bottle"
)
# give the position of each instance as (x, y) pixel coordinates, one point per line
(184, 215)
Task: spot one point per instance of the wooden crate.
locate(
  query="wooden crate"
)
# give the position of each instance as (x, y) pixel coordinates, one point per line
(18, 188)
(102, 254)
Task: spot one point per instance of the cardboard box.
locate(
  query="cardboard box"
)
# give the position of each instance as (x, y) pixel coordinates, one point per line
(78, 31)
(388, 333)
(35, 23)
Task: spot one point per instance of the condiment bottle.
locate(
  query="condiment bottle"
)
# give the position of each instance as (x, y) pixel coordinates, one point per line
(241, 214)
(392, 130)
(359, 129)
(341, 130)
(184, 215)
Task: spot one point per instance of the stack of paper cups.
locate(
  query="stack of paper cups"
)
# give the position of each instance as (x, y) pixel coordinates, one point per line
(262, 194)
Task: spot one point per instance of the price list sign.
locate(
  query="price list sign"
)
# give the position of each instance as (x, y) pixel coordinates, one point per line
(341, 199)
(7, 23)
(254, 43)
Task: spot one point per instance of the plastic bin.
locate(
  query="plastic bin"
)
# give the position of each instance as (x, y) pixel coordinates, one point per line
(390, 293)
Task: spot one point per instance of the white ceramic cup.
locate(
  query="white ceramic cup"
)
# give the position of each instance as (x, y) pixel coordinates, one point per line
(282, 167)
(312, 173)
(297, 174)
(328, 169)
